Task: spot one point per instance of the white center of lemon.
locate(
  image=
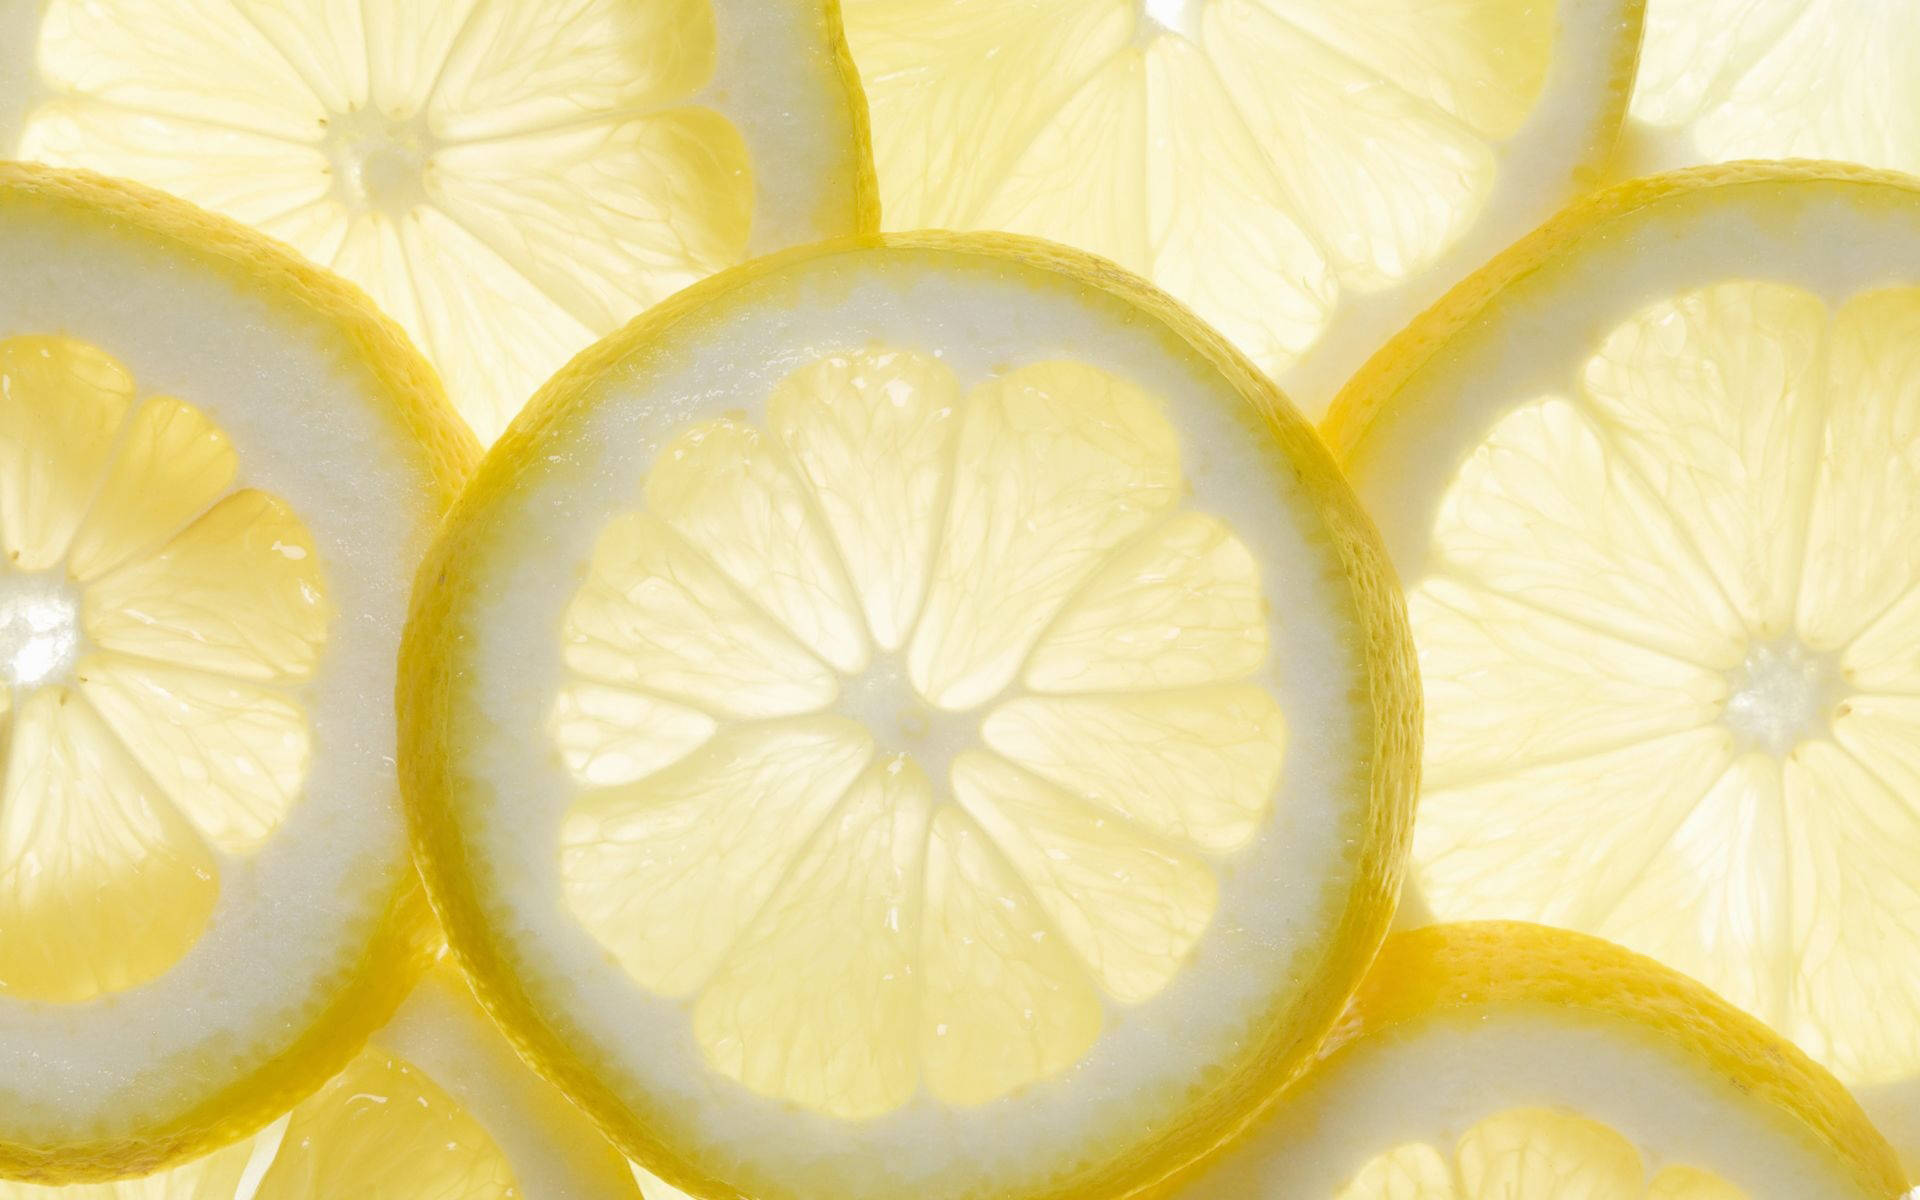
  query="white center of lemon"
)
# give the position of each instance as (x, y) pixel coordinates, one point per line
(1781, 696)
(1170, 16)
(379, 160)
(902, 722)
(39, 628)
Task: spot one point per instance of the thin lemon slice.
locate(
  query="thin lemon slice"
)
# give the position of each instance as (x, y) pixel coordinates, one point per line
(1304, 174)
(1514, 1062)
(509, 179)
(1731, 79)
(218, 468)
(436, 1106)
(1650, 478)
(912, 717)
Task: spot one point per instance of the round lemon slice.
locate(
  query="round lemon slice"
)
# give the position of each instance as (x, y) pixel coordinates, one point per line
(1305, 174)
(1730, 79)
(218, 468)
(911, 717)
(509, 179)
(1513, 1062)
(436, 1106)
(1653, 481)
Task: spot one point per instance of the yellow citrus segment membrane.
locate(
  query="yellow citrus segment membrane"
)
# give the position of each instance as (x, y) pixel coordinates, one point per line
(140, 616)
(1733, 79)
(861, 908)
(1683, 599)
(508, 180)
(1263, 160)
(383, 1129)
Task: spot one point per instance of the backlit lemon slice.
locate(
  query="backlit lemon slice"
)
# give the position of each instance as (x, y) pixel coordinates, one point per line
(218, 468)
(1513, 1062)
(1653, 478)
(509, 179)
(437, 1107)
(1729, 79)
(915, 718)
(1305, 174)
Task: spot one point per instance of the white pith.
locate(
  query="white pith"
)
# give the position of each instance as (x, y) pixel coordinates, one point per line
(1452, 1072)
(39, 628)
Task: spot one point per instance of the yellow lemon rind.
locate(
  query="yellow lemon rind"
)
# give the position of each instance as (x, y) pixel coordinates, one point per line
(1478, 968)
(1369, 396)
(410, 396)
(1387, 777)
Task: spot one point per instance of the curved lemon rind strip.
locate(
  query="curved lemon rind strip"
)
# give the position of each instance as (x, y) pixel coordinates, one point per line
(1388, 775)
(408, 394)
(1483, 967)
(1372, 391)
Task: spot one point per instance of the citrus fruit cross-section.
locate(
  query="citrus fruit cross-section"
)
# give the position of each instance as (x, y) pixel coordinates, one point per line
(509, 179)
(1652, 479)
(436, 1107)
(218, 469)
(1307, 175)
(911, 717)
(1505, 1061)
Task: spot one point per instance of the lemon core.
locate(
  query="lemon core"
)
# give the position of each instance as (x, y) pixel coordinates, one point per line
(379, 160)
(1780, 696)
(1181, 17)
(904, 724)
(39, 628)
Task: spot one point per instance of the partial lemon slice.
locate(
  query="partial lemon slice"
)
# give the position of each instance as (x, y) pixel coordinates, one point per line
(1651, 479)
(916, 717)
(218, 468)
(1729, 79)
(1512, 1062)
(509, 179)
(436, 1107)
(1304, 174)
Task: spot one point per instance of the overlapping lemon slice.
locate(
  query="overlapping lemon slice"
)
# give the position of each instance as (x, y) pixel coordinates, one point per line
(509, 179)
(1730, 79)
(1514, 1062)
(218, 468)
(916, 717)
(436, 1107)
(1653, 479)
(1305, 174)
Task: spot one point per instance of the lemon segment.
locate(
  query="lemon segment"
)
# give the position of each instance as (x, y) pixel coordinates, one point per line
(1489, 1061)
(214, 483)
(1732, 79)
(1305, 175)
(927, 709)
(1663, 590)
(508, 181)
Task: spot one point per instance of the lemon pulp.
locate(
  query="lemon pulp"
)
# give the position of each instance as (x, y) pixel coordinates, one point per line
(154, 629)
(1051, 632)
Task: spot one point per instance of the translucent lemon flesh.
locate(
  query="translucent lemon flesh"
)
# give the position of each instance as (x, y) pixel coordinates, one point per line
(155, 627)
(1733, 79)
(1681, 598)
(508, 180)
(908, 727)
(1538, 1153)
(1274, 164)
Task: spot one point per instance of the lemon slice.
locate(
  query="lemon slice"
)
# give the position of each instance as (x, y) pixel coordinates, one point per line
(1512, 1062)
(1305, 174)
(1729, 79)
(509, 179)
(1650, 478)
(911, 717)
(218, 468)
(436, 1106)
